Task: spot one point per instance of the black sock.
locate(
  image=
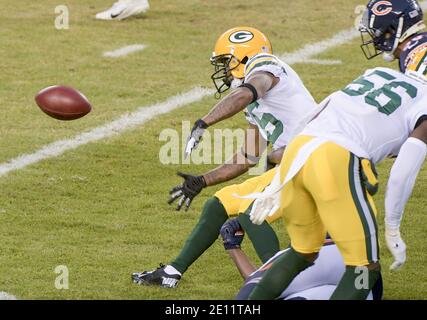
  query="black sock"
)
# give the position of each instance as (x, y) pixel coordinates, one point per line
(263, 237)
(203, 235)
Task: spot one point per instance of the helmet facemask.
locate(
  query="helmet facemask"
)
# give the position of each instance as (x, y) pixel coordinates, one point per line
(380, 41)
(224, 64)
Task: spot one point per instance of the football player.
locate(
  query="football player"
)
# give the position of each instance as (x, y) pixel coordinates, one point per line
(395, 29)
(327, 172)
(276, 104)
(315, 283)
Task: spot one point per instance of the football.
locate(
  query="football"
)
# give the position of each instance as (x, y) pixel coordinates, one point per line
(63, 103)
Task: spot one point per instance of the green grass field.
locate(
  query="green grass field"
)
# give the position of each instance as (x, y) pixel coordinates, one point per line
(101, 209)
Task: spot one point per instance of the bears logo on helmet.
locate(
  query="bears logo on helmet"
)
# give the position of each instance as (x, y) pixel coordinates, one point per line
(382, 8)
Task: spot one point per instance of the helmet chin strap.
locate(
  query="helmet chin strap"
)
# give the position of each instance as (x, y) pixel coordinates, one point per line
(389, 55)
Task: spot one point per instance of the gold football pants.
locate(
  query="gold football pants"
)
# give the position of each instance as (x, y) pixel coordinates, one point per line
(328, 195)
(235, 206)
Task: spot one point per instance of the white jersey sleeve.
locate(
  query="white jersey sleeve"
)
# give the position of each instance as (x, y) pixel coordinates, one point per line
(281, 113)
(264, 62)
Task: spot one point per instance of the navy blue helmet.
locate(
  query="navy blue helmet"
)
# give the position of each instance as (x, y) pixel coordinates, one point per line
(386, 24)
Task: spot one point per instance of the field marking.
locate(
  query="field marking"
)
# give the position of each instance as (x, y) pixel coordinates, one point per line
(125, 122)
(309, 51)
(7, 296)
(124, 51)
(323, 62)
(143, 114)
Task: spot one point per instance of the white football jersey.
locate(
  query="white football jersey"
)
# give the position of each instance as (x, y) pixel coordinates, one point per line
(374, 115)
(283, 112)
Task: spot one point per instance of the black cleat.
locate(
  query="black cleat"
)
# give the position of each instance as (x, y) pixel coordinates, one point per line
(156, 277)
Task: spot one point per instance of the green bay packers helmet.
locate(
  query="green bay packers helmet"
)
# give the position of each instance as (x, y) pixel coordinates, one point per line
(233, 49)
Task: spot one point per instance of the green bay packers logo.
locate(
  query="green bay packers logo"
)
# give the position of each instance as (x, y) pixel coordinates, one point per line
(241, 36)
(382, 8)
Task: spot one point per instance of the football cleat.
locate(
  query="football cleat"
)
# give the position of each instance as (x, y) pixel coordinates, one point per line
(158, 277)
(123, 9)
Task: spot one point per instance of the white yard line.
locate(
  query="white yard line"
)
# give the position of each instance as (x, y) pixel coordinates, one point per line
(143, 114)
(121, 52)
(309, 51)
(6, 296)
(323, 62)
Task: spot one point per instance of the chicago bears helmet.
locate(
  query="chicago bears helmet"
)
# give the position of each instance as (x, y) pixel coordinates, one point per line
(232, 50)
(387, 23)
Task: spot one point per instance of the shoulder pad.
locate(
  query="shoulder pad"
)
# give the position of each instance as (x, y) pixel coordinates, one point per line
(262, 59)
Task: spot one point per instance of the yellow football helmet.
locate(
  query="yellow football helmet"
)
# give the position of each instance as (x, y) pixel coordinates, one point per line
(233, 49)
(417, 65)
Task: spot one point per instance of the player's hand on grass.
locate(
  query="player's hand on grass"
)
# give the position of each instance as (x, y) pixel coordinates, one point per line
(195, 137)
(396, 246)
(232, 234)
(187, 190)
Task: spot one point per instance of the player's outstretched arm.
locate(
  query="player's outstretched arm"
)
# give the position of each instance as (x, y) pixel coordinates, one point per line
(254, 88)
(236, 166)
(399, 188)
(232, 235)
(241, 161)
(240, 98)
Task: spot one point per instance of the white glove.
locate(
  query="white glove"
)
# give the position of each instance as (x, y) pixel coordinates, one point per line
(266, 206)
(263, 208)
(396, 246)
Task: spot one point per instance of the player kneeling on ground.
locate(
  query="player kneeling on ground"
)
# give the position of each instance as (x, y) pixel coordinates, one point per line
(326, 179)
(315, 283)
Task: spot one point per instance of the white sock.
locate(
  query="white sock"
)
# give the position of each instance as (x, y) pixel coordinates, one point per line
(171, 270)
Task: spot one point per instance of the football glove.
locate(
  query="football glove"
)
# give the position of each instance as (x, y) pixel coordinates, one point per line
(187, 190)
(267, 206)
(264, 208)
(396, 246)
(232, 234)
(195, 137)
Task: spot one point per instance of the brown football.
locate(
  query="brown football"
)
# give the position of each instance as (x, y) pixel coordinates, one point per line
(63, 103)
